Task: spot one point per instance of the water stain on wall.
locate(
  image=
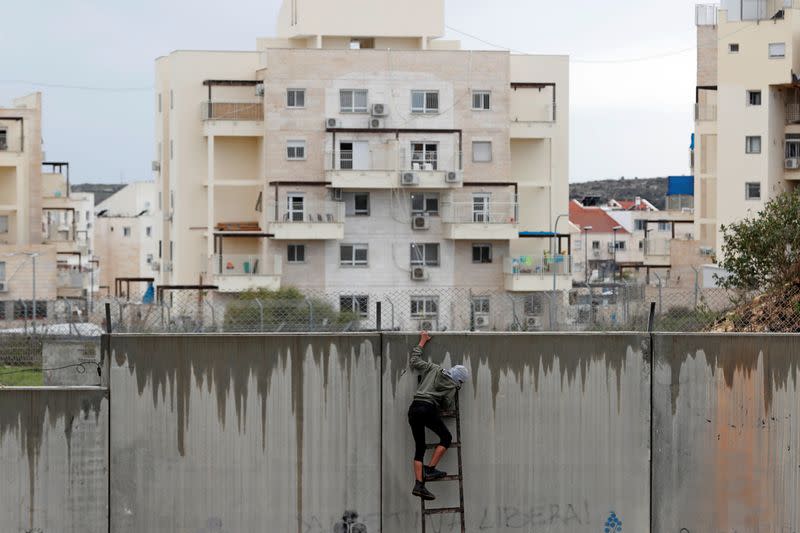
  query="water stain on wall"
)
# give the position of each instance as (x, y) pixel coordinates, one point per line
(731, 354)
(541, 354)
(26, 411)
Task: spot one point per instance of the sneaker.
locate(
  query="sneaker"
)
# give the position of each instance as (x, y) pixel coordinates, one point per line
(430, 473)
(421, 492)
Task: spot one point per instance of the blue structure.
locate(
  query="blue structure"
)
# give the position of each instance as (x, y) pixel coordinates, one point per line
(680, 185)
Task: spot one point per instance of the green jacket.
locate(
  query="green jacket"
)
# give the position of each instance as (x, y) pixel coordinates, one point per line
(435, 387)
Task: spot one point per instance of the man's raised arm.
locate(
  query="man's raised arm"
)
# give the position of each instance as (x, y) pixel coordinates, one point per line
(415, 361)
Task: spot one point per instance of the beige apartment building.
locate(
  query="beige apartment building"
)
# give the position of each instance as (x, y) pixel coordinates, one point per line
(747, 112)
(45, 235)
(360, 155)
(126, 243)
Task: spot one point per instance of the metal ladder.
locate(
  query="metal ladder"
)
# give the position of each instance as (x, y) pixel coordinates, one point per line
(457, 477)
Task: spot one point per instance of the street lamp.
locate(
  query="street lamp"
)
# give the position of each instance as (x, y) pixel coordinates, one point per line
(586, 230)
(615, 229)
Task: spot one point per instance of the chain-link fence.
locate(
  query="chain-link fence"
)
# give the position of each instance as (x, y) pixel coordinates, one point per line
(623, 306)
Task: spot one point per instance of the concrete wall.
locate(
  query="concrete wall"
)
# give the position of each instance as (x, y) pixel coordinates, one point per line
(244, 433)
(726, 434)
(58, 353)
(54, 460)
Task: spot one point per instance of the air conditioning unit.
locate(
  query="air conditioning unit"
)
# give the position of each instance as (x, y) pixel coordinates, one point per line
(260, 89)
(155, 266)
(453, 177)
(333, 123)
(337, 195)
(596, 253)
(156, 166)
(428, 324)
(376, 124)
(533, 322)
(420, 222)
(379, 110)
(793, 163)
(3, 286)
(706, 250)
(409, 178)
(481, 321)
(419, 274)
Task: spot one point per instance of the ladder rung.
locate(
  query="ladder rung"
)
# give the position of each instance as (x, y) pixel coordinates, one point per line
(444, 510)
(452, 445)
(454, 477)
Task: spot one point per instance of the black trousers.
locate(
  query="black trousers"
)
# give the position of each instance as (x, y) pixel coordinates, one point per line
(423, 415)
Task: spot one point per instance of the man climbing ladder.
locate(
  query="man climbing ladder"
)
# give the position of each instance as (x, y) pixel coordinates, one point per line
(436, 392)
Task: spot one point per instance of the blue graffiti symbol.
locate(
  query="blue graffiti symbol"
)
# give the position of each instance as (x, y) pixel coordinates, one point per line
(613, 524)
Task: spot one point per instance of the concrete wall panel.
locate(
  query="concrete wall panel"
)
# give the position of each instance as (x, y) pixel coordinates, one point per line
(725, 411)
(244, 433)
(556, 432)
(53, 460)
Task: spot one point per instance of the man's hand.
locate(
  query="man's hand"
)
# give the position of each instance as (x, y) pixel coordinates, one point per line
(423, 339)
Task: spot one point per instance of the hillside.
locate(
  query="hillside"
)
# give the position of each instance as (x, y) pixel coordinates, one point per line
(652, 189)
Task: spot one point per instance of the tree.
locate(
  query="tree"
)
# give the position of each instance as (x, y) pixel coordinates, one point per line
(763, 252)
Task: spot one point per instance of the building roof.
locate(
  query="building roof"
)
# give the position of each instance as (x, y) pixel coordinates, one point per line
(595, 217)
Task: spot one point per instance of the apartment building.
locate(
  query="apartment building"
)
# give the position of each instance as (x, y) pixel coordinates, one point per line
(360, 152)
(126, 243)
(746, 146)
(45, 231)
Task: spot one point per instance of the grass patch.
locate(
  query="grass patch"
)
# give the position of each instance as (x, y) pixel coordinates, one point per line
(21, 376)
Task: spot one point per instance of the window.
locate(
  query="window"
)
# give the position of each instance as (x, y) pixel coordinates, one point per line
(148, 231)
(619, 245)
(353, 255)
(424, 306)
(425, 203)
(24, 309)
(172, 199)
(733, 48)
(480, 304)
(159, 102)
(3, 139)
(641, 245)
(777, 50)
(595, 245)
(295, 98)
(3, 223)
(295, 208)
(424, 101)
(664, 226)
(353, 100)
(639, 224)
(171, 250)
(792, 145)
(2, 270)
(426, 254)
(3, 310)
(126, 231)
(752, 191)
(171, 149)
(481, 151)
(171, 99)
(481, 100)
(296, 253)
(753, 144)
(424, 156)
(149, 258)
(354, 304)
(533, 305)
(481, 253)
(295, 150)
(480, 207)
(753, 97)
(361, 204)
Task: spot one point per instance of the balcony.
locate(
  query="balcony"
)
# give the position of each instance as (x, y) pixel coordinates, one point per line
(657, 252)
(233, 118)
(65, 237)
(242, 272)
(706, 14)
(705, 113)
(792, 114)
(69, 283)
(529, 273)
(480, 221)
(307, 221)
(384, 168)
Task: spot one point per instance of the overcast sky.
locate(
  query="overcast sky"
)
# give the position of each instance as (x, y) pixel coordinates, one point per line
(627, 118)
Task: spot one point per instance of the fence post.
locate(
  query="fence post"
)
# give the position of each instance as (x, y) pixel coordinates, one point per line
(660, 285)
(696, 286)
(260, 315)
(310, 315)
(378, 316)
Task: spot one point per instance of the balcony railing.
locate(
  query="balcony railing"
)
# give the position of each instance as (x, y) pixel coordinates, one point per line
(471, 213)
(248, 110)
(705, 14)
(70, 279)
(391, 160)
(327, 212)
(656, 247)
(58, 233)
(705, 112)
(538, 265)
(243, 265)
(793, 113)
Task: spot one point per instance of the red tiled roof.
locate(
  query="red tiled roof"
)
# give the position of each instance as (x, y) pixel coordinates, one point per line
(592, 216)
(630, 205)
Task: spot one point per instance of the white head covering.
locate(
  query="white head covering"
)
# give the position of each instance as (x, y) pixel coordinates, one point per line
(458, 373)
